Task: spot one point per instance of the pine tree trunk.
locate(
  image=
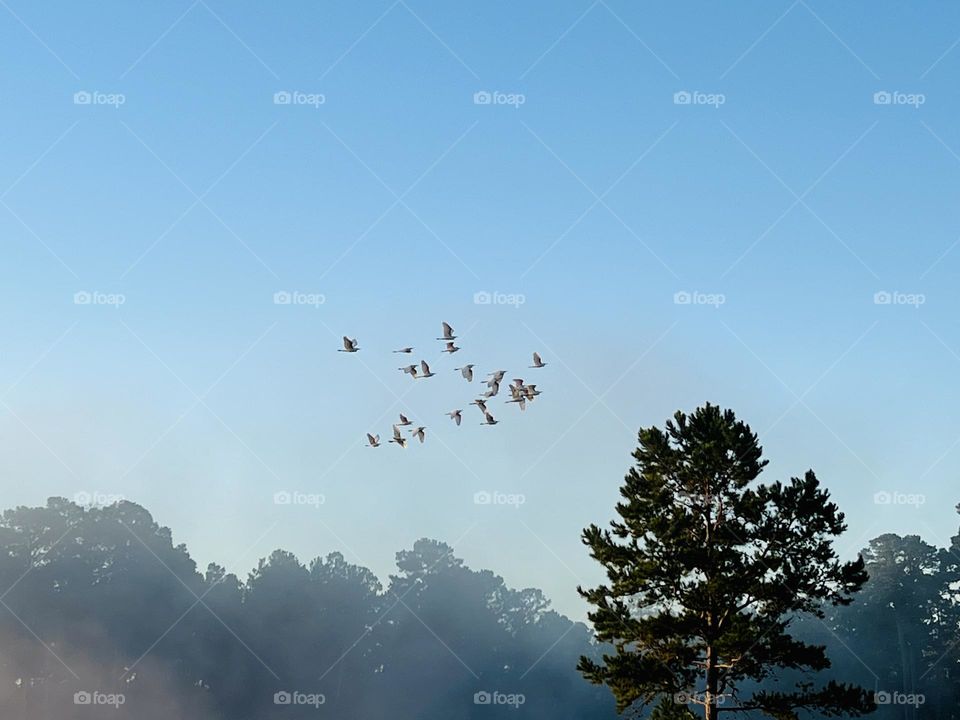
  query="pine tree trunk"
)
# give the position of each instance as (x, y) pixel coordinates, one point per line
(710, 697)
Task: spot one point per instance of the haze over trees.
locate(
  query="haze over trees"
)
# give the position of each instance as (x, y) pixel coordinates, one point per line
(721, 592)
(101, 600)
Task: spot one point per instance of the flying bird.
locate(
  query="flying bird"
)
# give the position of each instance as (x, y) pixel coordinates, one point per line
(403, 420)
(521, 401)
(482, 404)
(531, 391)
(451, 348)
(537, 362)
(494, 389)
(411, 370)
(489, 419)
(418, 433)
(455, 416)
(374, 440)
(407, 350)
(401, 441)
(519, 397)
(496, 377)
(467, 372)
(426, 369)
(447, 332)
(349, 345)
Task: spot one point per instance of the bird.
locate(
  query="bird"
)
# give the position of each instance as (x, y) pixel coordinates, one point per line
(494, 389)
(349, 345)
(489, 419)
(407, 350)
(517, 383)
(401, 441)
(447, 332)
(455, 416)
(496, 377)
(518, 396)
(403, 420)
(418, 433)
(374, 440)
(520, 400)
(537, 362)
(467, 372)
(531, 391)
(426, 369)
(411, 370)
(482, 404)
(451, 348)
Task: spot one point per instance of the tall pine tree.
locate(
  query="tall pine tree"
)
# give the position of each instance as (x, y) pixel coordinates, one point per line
(706, 568)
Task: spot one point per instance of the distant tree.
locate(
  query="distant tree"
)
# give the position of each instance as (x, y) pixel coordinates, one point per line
(901, 627)
(706, 570)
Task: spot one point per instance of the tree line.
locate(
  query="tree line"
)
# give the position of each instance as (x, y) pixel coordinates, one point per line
(722, 593)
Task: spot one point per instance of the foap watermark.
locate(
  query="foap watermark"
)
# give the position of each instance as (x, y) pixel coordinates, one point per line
(695, 297)
(495, 97)
(696, 97)
(898, 698)
(295, 697)
(95, 297)
(95, 97)
(298, 97)
(295, 497)
(888, 497)
(895, 97)
(96, 498)
(685, 698)
(495, 697)
(95, 697)
(885, 297)
(482, 297)
(485, 497)
(295, 297)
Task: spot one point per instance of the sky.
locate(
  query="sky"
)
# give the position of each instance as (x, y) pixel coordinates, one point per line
(752, 204)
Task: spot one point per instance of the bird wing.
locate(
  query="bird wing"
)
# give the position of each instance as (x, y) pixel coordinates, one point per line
(447, 330)
(426, 368)
(536, 359)
(346, 343)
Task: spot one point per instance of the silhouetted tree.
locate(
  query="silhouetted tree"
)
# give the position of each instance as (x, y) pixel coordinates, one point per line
(707, 568)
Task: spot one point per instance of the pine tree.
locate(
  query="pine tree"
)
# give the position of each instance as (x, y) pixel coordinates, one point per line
(706, 568)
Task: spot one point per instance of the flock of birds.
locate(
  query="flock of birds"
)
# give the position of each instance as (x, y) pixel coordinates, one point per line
(520, 392)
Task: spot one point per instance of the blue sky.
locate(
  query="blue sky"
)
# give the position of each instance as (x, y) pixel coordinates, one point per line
(784, 190)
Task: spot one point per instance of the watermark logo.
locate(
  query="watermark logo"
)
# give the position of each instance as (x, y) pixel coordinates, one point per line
(297, 97)
(495, 697)
(898, 698)
(95, 97)
(884, 297)
(294, 697)
(685, 698)
(684, 297)
(895, 97)
(95, 697)
(295, 297)
(485, 497)
(95, 297)
(696, 97)
(95, 498)
(495, 97)
(483, 297)
(295, 497)
(885, 497)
